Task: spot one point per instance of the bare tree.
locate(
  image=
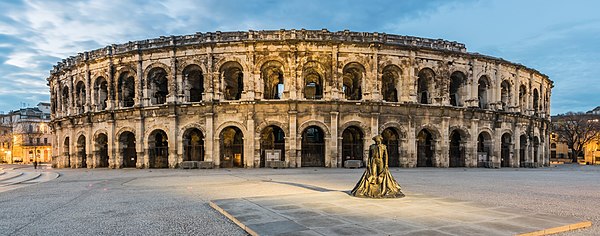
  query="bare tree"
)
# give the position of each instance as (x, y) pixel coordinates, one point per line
(576, 130)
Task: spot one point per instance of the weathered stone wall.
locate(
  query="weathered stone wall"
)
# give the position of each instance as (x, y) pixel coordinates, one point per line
(347, 64)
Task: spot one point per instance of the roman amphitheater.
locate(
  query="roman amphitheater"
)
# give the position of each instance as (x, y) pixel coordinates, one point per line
(296, 98)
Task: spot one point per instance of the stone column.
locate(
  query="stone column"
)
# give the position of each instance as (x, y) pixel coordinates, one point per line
(291, 141)
(249, 141)
(88, 85)
(209, 154)
(140, 145)
(333, 141)
(140, 94)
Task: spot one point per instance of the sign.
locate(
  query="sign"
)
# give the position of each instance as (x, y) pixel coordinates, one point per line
(273, 155)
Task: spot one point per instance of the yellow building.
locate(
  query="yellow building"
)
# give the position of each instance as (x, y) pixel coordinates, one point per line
(25, 135)
(592, 152)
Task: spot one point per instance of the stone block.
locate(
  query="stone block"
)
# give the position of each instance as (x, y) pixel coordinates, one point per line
(189, 165)
(353, 164)
(275, 164)
(205, 164)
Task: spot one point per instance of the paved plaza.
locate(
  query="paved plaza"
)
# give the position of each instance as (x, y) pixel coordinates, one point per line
(455, 201)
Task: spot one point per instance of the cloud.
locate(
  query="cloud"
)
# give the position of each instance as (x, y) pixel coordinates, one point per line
(557, 38)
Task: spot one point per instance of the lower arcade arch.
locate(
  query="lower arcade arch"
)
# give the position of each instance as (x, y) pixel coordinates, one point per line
(127, 149)
(232, 147)
(425, 149)
(81, 152)
(158, 149)
(352, 144)
(272, 145)
(522, 150)
(484, 149)
(101, 150)
(66, 152)
(505, 150)
(456, 152)
(193, 145)
(391, 139)
(313, 147)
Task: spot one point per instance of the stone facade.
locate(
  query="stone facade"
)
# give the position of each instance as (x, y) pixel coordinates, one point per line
(296, 98)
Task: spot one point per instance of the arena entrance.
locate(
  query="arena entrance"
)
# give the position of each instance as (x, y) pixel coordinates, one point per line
(272, 145)
(193, 145)
(522, 150)
(505, 150)
(102, 150)
(158, 147)
(232, 147)
(483, 150)
(127, 149)
(313, 147)
(425, 149)
(81, 156)
(456, 152)
(352, 144)
(392, 140)
(66, 151)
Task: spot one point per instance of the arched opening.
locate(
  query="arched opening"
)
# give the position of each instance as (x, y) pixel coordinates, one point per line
(233, 80)
(352, 144)
(193, 145)
(389, 80)
(522, 150)
(81, 152)
(425, 149)
(352, 81)
(80, 95)
(272, 145)
(127, 149)
(67, 151)
(272, 75)
(536, 150)
(456, 151)
(391, 139)
(553, 150)
(456, 91)
(232, 147)
(313, 147)
(484, 149)
(482, 92)
(536, 101)
(424, 83)
(158, 149)
(158, 87)
(102, 150)
(505, 94)
(313, 80)
(505, 150)
(193, 83)
(101, 91)
(65, 99)
(523, 98)
(126, 90)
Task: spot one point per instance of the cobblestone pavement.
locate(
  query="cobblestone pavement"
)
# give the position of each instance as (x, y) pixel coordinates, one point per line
(171, 202)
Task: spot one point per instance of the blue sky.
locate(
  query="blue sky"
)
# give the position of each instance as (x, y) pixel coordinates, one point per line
(559, 38)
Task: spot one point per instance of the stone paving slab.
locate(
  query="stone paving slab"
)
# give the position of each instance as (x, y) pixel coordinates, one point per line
(337, 213)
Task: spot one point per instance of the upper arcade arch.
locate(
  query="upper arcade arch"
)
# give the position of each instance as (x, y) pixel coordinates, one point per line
(390, 79)
(272, 74)
(353, 75)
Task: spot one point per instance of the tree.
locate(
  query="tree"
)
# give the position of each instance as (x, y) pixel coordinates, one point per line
(576, 130)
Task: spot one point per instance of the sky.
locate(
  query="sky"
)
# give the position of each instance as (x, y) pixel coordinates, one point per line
(559, 38)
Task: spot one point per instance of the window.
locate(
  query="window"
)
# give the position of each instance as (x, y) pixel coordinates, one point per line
(45, 140)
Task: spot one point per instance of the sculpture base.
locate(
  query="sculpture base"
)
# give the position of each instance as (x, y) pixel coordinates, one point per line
(377, 186)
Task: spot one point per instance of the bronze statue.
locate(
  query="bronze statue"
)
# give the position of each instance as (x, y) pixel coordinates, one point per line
(377, 181)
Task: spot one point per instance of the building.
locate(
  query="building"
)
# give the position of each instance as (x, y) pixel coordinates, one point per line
(296, 98)
(559, 149)
(25, 135)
